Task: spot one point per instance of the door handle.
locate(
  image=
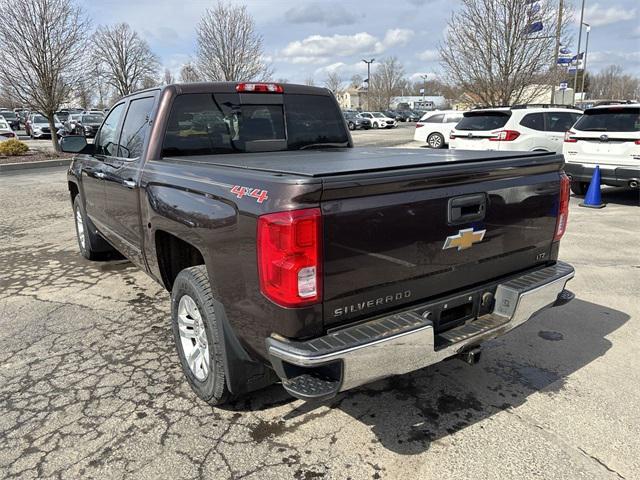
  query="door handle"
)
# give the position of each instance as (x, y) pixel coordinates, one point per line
(100, 174)
(129, 183)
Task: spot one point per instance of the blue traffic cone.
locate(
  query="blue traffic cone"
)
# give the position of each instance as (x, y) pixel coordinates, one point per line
(592, 199)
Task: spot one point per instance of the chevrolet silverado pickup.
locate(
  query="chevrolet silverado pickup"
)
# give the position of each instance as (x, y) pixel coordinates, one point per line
(293, 257)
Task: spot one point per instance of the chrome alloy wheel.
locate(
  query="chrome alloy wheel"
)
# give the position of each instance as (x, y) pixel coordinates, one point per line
(80, 227)
(193, 337)
(435, 141)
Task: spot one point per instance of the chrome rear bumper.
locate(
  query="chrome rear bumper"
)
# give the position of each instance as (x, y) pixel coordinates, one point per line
(406, 341)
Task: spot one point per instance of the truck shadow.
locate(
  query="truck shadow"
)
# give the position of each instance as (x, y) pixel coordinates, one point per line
(407, 413)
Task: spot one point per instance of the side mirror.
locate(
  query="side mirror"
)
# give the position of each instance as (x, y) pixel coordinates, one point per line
(75, 144)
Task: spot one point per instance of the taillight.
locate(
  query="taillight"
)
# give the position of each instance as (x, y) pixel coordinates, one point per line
(418, 125)
(563, 207)
(259, 88)
(568, 138)
(452, 136)
(505, 136)
(637, 142)
(290, 256)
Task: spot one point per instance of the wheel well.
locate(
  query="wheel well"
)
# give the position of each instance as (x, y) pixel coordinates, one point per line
(73, 190)
(174, 255)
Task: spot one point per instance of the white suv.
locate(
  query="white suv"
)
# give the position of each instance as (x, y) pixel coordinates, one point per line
(379, 120)
(514, 128)
(435, 127)
(608, 136)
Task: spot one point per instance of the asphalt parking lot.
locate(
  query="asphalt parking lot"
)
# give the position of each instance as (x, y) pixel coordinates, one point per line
(90, 385)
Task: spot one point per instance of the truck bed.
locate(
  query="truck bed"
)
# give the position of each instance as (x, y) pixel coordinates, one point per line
(345, 161)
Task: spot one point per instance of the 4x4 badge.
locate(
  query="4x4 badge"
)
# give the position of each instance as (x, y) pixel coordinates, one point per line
(464, 239)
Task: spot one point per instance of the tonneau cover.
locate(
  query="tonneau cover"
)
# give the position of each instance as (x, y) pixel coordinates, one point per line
(341, 161)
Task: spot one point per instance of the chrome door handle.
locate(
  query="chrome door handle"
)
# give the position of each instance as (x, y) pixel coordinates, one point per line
(99, 175)
(129, 183)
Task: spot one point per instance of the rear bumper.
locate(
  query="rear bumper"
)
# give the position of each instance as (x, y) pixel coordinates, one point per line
(406, 341)
(616, 176)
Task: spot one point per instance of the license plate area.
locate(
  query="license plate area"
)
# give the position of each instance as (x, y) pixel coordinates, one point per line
(456, 311)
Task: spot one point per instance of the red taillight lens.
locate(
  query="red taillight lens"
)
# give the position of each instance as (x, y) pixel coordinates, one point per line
(563, 207)
(289, 257)
(418, 125)
(505, 136)
(259, 88)
(637, 142)
(452, 136)
(568, 138)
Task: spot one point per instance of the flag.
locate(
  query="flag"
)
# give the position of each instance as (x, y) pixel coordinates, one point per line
(535, 27)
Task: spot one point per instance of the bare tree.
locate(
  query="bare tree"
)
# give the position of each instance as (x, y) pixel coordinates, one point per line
(44, 75)
(229, 48)
(310, 81)
(612, 83)
(168, 77)
(489, 49)
(189, 73)
(386, 82)
(125, 59)
(334, 83)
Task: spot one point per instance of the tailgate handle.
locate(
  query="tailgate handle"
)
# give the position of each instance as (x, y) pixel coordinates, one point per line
(469, 208)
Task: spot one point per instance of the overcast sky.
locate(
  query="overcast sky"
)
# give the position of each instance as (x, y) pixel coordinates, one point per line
(305, 39)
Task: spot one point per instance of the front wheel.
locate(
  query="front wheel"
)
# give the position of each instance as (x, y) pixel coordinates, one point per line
(375, 125)
(197, 335)
(579, 188)
(352, 126)
(435, 140)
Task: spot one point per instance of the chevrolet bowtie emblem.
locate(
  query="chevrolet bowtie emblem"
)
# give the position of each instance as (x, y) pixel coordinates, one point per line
(464, 239)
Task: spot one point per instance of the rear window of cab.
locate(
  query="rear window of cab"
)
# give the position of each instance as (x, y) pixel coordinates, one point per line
(218, 123)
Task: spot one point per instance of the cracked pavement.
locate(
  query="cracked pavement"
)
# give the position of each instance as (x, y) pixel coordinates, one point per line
(91, 387)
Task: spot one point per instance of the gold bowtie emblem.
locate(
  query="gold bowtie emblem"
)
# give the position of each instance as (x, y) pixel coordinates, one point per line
(464, 239)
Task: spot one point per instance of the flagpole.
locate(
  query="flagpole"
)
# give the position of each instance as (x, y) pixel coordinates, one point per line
(555, 60)
(575, 78)
(584, 66)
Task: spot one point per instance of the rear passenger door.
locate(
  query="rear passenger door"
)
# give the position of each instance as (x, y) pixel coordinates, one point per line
(122, 175)
(556, 124)
(534, 134)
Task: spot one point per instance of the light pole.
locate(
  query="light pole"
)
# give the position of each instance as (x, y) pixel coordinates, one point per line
(586, 51)
(368, 62)
(424, 89)
(557, 52)
(575, 78)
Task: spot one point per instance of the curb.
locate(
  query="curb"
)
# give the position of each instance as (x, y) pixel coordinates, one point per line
(8, 167)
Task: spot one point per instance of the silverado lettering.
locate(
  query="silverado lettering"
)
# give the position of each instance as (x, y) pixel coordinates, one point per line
(267, 291)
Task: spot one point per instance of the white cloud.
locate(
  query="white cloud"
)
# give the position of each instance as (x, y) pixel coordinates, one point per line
(322, 47)
(429, 55)
(346, 70)
(397, 37)
(598, 16)
(624, 59)
(325, 13)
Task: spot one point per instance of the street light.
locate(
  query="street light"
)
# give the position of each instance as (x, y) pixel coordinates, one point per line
(586, 51)
(575, 78)
(424, 90)
(368, 62)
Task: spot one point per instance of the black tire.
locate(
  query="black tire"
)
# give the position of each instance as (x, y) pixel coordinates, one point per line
(375, 125)
(95, 247)
(194, 282)
(352, 126)
(579, 188)
(435, 140)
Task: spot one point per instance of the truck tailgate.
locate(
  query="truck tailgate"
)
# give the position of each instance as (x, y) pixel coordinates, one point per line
(384, 234)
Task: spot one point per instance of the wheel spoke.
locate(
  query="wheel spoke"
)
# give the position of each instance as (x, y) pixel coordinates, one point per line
(193, 358)
(187, 332)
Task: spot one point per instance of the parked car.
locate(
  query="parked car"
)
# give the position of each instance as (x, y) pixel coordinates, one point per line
(435, 127)
(379, 120)
(11, 118)
(514, 129)
(608, 136)
(86, 124)
(6, 132)
(293, 257)
(38, 126)
(355, 121)
(63, 115)
(410, 116)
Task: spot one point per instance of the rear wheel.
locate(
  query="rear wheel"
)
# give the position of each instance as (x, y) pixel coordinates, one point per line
(197, 335)
(435, 140)
(352, 126)
(579, 188)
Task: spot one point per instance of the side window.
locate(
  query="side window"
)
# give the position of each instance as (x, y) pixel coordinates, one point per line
(561, 121)
(107, 141)
(453, 118)
(435, 118)
(534, 121)
(135, 127)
